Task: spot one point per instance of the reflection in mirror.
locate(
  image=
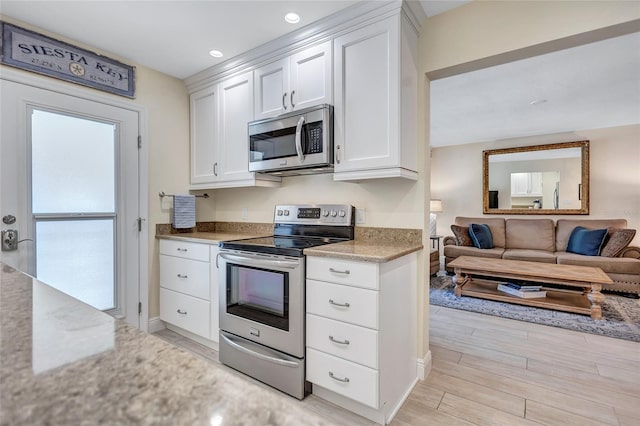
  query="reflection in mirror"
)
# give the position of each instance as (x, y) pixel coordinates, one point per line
(541, 179)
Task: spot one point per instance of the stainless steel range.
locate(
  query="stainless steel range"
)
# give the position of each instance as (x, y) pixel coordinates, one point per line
(262, 293)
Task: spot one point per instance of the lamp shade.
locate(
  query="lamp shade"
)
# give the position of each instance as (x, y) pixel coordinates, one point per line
(435, 206)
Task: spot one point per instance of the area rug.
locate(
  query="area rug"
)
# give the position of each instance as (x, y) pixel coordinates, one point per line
(621, 316)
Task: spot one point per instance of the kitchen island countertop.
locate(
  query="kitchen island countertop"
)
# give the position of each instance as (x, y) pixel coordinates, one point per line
(63, 362)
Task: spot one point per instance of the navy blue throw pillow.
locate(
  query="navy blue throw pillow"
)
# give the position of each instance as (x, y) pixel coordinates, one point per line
(586, 241)
(481, 235)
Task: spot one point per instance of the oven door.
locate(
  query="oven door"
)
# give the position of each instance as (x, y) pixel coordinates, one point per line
(262, 299)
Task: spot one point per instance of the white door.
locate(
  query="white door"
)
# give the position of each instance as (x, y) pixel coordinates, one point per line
(70, 179)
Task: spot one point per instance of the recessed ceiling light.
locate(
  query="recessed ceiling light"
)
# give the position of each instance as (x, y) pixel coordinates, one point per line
(215, 53)
(537, 101)
(292, 18)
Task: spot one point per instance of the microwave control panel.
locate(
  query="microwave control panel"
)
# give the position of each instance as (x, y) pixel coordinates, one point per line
(314, 135)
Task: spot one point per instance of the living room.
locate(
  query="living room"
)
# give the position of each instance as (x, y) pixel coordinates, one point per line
(481, 362)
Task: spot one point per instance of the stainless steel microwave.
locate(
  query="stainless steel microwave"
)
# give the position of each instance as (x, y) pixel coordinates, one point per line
(300, 142)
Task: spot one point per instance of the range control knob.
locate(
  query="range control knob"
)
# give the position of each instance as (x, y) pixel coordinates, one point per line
(334, 213)
(325, 213)
(342, 213)
(286, 212)
(279, 212)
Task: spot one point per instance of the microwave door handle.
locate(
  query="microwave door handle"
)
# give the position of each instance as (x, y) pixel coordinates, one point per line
(299, 139)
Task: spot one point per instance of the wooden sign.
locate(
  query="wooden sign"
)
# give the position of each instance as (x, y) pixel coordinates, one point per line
(35, 52)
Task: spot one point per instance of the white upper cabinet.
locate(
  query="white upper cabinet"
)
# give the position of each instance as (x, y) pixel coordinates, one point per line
(526, 184)
(236, 111)
(298, 81)
(375, 115)
(219, 136)
(204, 138)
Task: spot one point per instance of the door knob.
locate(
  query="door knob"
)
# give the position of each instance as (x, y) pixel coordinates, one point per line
(9, 240)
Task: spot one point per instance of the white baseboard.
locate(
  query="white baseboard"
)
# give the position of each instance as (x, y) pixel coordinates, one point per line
(155, 325)
(424, 366)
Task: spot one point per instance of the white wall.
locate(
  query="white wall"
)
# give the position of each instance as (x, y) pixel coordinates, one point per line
(456, 175)
(167, 104)
(484, 33)
(387, 203)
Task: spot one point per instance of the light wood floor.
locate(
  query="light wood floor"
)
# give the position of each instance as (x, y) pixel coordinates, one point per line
(495, 371)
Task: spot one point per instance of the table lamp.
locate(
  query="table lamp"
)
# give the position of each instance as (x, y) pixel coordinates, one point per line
(435, 206)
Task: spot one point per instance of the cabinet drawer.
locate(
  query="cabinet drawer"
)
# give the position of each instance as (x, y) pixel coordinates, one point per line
(351, 342)
(325, 299)
(184, 249)
(184, 311)
(332, 373)
(186, 276)
(349, 272)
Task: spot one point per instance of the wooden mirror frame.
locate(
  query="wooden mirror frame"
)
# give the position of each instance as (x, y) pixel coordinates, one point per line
(584, 209)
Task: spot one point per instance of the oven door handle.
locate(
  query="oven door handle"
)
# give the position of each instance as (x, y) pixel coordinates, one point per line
(248, 351)
(299, 139)
(247, 259)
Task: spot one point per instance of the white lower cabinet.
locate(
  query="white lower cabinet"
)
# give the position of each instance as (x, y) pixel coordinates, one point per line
(343, 377)
(361, 333)
(189, 289)
(186, 312)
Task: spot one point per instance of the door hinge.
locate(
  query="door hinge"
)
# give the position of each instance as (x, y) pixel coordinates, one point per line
(139, 308)
(139, 142)
(140, 220)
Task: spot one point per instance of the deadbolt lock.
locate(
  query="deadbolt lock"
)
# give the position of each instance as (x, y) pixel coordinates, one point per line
(9, 219)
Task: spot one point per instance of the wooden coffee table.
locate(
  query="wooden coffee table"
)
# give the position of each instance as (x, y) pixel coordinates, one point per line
(475, 276)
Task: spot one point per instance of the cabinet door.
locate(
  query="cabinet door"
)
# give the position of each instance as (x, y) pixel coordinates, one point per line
(519, 183)
(236, 110)
(204, 136)
(214, 296)
(535, 183)
(311, 77)
(366, 77)
(271, 85)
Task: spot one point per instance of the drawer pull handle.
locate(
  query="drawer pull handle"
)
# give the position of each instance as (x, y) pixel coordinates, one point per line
(340, 342)
(342, 305)
(181, 249)
(345, 380)
(181, 312)
(335, 271)
(182, 276)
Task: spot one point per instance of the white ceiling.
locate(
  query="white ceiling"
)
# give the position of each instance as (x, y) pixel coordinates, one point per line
(175, 37)
(592, 86)
(587, 87)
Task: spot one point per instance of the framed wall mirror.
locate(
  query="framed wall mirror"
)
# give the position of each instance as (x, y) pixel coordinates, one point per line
(539, 180)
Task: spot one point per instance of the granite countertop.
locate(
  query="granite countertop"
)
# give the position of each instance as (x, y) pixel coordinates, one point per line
(370, 245)
(208, 237)
(368, 251)
(63, 362)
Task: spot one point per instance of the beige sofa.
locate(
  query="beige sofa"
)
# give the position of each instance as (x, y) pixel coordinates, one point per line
(542, 240)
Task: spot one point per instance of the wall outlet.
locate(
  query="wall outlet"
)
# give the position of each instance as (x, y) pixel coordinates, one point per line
(361, 216)
(245, 213)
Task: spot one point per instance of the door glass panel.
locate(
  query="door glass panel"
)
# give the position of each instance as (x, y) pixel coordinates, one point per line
(77, 258)
(73, 164)
(73, 172)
